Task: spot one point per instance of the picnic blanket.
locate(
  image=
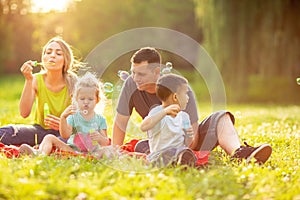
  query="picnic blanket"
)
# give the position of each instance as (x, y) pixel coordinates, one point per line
(12, 151)
(202, 156)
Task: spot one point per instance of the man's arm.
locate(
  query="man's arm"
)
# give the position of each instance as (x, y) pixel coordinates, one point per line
(119, 129)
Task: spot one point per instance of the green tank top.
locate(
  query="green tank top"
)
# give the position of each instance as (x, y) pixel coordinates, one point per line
(57, 101)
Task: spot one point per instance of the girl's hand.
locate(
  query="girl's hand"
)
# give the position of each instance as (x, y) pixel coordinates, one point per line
(70, 110)
(100, 137)
(52, 122)
(26, 70)
(95, 136)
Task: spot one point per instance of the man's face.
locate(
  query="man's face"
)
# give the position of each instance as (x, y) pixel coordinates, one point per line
(144, 76)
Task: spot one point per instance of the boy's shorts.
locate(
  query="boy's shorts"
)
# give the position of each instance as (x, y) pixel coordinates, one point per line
(207, 131)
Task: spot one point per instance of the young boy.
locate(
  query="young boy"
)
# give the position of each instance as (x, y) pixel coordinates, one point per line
(168, 127)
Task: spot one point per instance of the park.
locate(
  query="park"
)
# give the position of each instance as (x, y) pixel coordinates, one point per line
(238, 56)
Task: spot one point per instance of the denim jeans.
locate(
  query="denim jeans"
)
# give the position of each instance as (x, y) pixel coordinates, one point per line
(28, 134)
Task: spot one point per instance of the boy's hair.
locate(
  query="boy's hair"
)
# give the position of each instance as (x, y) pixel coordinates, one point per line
(149, 54)
(88, 80)
(168, 84)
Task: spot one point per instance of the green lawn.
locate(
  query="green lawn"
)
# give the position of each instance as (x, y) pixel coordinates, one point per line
(128, 178)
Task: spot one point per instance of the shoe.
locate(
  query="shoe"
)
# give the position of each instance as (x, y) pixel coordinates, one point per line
(186, 157)
(26, 149)
(260, 153)
(142, 146)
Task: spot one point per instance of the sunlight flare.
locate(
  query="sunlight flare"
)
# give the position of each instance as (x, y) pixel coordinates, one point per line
(50, 5)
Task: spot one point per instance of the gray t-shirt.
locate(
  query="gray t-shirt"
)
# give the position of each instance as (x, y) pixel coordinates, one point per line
(131, 97)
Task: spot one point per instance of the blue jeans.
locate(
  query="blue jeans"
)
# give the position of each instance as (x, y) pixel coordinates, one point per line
(20, 134)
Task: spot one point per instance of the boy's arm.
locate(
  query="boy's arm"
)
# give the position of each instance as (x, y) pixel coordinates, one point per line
(188, 136)
(150, 121)
(196, 135)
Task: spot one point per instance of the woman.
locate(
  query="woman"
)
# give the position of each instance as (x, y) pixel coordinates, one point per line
(51, 89)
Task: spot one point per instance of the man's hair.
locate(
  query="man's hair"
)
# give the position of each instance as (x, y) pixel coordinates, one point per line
(149, 54)
(168, 84)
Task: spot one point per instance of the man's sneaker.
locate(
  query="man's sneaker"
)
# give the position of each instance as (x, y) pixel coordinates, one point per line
(186, 157)
(260, 153)
(26, 149)
(142, 146)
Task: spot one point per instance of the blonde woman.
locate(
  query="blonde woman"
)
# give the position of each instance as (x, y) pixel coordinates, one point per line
(50, 89)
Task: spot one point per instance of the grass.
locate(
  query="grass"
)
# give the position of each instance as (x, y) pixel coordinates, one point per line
(128, 178)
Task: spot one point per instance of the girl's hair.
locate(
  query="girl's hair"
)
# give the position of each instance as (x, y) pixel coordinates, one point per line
(70, 63)
(168, 84)
(90, 80)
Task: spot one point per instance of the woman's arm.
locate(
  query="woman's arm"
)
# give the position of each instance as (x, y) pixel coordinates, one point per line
(29, 90)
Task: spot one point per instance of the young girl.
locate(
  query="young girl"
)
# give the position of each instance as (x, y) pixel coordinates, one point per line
(51, 89)
(79, 123)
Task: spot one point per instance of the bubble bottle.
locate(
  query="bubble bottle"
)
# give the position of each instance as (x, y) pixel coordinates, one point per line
(46, 110)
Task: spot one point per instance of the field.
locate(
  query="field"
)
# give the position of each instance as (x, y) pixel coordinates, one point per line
(128, 178)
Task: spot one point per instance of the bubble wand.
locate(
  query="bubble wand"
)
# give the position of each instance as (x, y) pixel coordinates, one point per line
(36, 63)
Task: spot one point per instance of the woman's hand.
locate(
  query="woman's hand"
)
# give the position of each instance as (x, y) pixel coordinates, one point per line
(26, 70)
(52, 122)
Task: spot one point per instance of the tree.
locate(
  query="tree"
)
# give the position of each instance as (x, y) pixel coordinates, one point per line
(257, 42)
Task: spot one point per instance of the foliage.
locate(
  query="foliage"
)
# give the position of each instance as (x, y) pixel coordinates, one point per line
(248, 40)
(253, 38)
(129, 178)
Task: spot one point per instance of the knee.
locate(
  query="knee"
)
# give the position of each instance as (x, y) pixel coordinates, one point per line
(226, 119)
(49, 138)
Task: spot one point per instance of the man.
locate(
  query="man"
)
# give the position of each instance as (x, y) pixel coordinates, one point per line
(138, 92)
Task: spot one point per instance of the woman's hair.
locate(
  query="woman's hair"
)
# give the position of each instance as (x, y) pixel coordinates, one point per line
(168, 84)
(70, 63)
(90, 80)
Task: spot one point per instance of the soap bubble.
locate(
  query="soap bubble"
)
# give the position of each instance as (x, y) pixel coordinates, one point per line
(123, 75)
(108, 87)
(167, 69)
